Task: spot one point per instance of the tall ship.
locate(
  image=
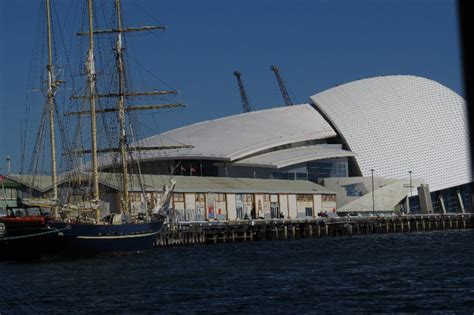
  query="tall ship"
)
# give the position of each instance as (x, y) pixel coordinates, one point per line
(81, 224)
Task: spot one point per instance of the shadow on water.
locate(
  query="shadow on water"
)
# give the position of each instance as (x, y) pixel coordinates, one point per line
(378, 273)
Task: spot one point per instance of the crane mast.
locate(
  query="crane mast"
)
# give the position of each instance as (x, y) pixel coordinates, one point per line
(243, 95)
(283, 90)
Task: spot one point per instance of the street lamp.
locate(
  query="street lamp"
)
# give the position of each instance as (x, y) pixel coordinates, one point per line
(373, 196)
(9, 164)
(408, 203)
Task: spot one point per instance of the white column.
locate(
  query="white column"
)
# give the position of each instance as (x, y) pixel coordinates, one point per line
(292, 210)
(460, 201)
(231, 207)
(441, 201)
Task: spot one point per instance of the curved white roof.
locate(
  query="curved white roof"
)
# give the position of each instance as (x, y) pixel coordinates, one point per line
(395, 124)
(237, 136)
(287, 157)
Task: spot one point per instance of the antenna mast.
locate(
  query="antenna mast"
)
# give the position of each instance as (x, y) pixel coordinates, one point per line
(90, 69)
(284, 92)
(243, 95)
(52, 86)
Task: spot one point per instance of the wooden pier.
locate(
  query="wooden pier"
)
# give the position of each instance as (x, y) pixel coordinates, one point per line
(193, 233)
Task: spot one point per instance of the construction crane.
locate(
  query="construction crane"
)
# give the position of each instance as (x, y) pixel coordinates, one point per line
(284, 92)
(243, 95)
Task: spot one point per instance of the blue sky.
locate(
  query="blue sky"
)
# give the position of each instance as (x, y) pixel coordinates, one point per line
(316, 43)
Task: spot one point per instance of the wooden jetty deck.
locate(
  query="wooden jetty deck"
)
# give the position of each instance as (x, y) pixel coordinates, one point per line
(192, 233)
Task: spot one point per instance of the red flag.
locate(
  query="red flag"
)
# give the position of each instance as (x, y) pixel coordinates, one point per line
(193, 170)
(1, 178)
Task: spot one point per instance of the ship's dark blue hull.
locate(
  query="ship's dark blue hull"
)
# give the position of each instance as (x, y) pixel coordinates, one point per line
(27, 238)
(38, 244)
(91, 239)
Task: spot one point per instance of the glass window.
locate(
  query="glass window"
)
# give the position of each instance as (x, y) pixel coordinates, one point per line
(339, 170)
(301, 175)
(178, 197)
(304, 198)
(135, 197)
(274, 210)
(282, 175)
(220, 197)
(248, 197)
(309, 211)
(199, 197)
(328, 197)
(355, 190)
(10, 193)
(319, 170)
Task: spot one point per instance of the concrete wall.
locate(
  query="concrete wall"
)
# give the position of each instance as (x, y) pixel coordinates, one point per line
(426, 205)
(388, 193)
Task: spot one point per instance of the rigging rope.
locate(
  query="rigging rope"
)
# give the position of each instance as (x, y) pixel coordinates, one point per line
(35, 57)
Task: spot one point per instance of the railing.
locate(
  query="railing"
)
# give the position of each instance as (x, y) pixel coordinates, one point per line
(326, 220)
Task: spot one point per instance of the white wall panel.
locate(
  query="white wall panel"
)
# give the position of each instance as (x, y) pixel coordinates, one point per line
(231, 211)
(317, 204)
(396, 124)
(284, 204)
(292, 210)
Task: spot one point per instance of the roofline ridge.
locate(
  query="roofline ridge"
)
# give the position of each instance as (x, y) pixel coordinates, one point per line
(281, 108)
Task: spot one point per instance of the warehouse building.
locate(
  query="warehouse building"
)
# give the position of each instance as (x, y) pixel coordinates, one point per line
(203, 198)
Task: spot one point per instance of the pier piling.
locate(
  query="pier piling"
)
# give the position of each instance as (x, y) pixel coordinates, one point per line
(253, 230)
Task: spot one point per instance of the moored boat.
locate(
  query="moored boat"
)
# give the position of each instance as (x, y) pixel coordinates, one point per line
(123, 231)
(82, 226)
(82, 239)
(27, 236)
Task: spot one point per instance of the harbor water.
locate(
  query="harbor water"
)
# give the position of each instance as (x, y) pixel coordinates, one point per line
(406, 272)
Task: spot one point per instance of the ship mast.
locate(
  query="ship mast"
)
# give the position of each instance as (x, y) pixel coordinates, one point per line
(121, 109)
(52, 86)
(90, 69)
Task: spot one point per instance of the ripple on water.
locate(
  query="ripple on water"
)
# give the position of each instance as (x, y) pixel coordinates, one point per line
(416, 272)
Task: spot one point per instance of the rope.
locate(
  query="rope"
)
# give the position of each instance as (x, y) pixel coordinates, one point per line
(34, 235)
